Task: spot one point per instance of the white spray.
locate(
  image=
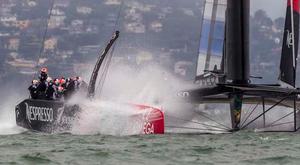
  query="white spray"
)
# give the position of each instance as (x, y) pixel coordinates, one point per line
(151, 85)
(7, 114)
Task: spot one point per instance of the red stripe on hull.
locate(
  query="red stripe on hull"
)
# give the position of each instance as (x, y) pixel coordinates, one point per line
(295, 5)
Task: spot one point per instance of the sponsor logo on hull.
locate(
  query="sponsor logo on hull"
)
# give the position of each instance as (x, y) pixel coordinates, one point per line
(34, 113)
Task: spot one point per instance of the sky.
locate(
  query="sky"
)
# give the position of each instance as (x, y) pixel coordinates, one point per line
(274, 8)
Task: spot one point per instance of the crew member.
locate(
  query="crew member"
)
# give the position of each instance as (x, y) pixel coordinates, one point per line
(51, 89)
(33, 89)
(56, 82)
(80, 84)
(62, 82)
(70, 88)
(60, 93)
(42, 87)
(43, 74)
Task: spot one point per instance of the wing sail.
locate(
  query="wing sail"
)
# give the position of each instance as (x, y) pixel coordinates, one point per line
(289, 53)
(212, 36)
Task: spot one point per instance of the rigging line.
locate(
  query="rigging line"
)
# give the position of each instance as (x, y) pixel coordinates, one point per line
(44, 35)
(192, 121)
(212, 120)
(279, 124)
(250, 114)
(282, 118)
(289, 95)
(191, 128)
(246, 113)
(105, 71)
(107, 62)
(118, 16)
(101, 71)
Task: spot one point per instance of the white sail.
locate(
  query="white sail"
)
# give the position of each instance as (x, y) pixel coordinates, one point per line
(212, 35)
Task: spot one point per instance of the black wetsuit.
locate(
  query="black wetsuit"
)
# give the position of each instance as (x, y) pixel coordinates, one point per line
(70, 89)
(33, 91)
(43, 77)
(41, 88)
(50, 91)
(59, 95)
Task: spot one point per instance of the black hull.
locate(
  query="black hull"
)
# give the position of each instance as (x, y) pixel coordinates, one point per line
(46, 115)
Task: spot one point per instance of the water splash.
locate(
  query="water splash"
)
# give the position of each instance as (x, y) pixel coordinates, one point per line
(109, 118)
(152, 86)
(7, 116)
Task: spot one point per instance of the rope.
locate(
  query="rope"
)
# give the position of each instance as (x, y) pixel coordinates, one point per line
(246, 112)
(44, 37)
(279, 124)
(105, 71)
(191, 128)
(289, 95)
(208, 125)
(212, 120)
(250, 114)
(108, 59)
(274, 122)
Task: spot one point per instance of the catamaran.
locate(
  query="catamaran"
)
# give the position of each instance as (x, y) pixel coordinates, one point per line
(225, 78)
(55, 116)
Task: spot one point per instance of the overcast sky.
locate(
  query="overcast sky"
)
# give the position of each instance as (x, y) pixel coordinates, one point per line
(274, 8)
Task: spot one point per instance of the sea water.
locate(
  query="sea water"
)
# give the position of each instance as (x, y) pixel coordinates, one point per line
(236, 148)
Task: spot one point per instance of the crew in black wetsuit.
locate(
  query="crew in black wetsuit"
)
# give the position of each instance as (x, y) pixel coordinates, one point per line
(43, 74)
(33, 89)
(63, 82)
(71, 87)
(51, 89)
(60, 93)
(42, 87)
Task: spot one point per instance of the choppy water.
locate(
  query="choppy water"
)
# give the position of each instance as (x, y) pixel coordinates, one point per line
(237, 148)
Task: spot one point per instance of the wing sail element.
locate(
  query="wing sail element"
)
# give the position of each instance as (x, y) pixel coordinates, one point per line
(93, 79)
(289, 53)
(212, 36)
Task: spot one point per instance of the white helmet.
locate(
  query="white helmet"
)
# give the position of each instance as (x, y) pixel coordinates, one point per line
(79, 79)
(49, 79)
(35, 82)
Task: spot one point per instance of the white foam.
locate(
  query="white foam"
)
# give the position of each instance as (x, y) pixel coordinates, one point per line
(7, 116)
(152, 86)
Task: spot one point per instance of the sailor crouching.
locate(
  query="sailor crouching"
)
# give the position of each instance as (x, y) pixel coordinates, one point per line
(33, 89)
